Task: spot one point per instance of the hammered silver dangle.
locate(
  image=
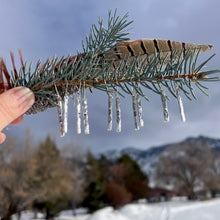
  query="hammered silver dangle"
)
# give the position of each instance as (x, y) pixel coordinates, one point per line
(135, 109)
(180, 102)
(110, 113)
(85, 112)
(78, 112)
(118, 112)
(164, 104)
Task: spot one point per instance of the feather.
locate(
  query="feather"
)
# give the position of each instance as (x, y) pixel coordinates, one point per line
(147, 47)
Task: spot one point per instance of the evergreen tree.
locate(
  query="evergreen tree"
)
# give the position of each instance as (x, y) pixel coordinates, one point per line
(94, 190)
(135, 170)
(134, 179)
(113, 183)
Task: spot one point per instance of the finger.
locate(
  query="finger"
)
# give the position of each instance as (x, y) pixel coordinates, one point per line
(17, 121)
(6, 86)
(2, 137)
(14, 103)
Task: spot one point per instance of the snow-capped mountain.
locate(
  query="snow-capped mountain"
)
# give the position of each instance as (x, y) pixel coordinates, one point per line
(147, 158)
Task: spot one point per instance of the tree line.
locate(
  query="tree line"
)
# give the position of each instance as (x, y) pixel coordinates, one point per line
(33, 177)
(44, 178)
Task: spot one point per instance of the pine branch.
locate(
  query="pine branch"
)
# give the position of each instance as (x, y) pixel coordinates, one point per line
(112, 64)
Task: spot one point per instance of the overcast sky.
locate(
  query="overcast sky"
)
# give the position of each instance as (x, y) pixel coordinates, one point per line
(44, 28)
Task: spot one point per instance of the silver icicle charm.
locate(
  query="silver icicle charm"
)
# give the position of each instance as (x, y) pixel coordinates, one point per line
(110, 104)
(118, 112)
(164, 104)
(60, 118)
(135, 109)
(180, 102)
(85, 113)
(65, 113)
(60, 113)
(78, 112)
(74, 99)
(140, 115)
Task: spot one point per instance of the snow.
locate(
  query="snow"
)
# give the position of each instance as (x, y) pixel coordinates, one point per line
(181, 210)
(107, 213)
(27, 215)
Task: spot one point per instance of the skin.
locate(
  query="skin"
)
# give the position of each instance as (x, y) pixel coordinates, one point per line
(13, 104)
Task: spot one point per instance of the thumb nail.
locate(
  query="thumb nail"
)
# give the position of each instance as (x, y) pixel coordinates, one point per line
(24, 96)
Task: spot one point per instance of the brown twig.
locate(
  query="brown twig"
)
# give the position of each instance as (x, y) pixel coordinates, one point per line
(90, 83)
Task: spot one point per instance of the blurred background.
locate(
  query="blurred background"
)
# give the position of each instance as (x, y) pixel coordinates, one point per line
(43, 29)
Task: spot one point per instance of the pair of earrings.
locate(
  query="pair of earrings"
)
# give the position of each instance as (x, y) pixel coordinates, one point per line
(81, 103)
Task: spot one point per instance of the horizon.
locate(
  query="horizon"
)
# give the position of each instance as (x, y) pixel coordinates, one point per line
(162, 145)
(84, 148)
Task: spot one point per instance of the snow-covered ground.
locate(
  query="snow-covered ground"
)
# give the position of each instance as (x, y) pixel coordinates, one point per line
(207, 210)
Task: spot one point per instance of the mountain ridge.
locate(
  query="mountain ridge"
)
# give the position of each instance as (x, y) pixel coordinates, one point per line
(147, 158)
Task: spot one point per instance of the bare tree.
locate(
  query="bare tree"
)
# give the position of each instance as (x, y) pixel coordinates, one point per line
(184, 166)
(36, 176)
(15, 192)
(74, 155)
(51, 176)
(211, 179)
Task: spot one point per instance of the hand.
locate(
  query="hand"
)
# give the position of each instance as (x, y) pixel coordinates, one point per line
(13, 104)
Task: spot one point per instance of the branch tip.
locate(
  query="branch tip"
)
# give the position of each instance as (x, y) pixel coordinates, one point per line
(13, 64)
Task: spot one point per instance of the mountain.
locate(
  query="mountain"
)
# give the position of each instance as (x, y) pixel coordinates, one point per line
(147, 158)
(214, 143)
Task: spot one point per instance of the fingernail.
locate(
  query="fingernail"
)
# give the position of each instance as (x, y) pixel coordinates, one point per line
(24, 96)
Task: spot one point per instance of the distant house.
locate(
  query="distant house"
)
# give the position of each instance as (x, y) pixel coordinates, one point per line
(160, 195)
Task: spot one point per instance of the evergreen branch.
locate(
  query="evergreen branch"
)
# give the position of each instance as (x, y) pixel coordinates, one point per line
(109, 61)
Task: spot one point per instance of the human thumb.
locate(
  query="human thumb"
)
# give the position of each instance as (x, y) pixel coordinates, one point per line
(13, 103)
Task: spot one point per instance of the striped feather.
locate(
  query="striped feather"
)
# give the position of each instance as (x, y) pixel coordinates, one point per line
(147, 47)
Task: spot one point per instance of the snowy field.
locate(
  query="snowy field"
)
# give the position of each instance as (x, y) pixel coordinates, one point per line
(207, 210)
